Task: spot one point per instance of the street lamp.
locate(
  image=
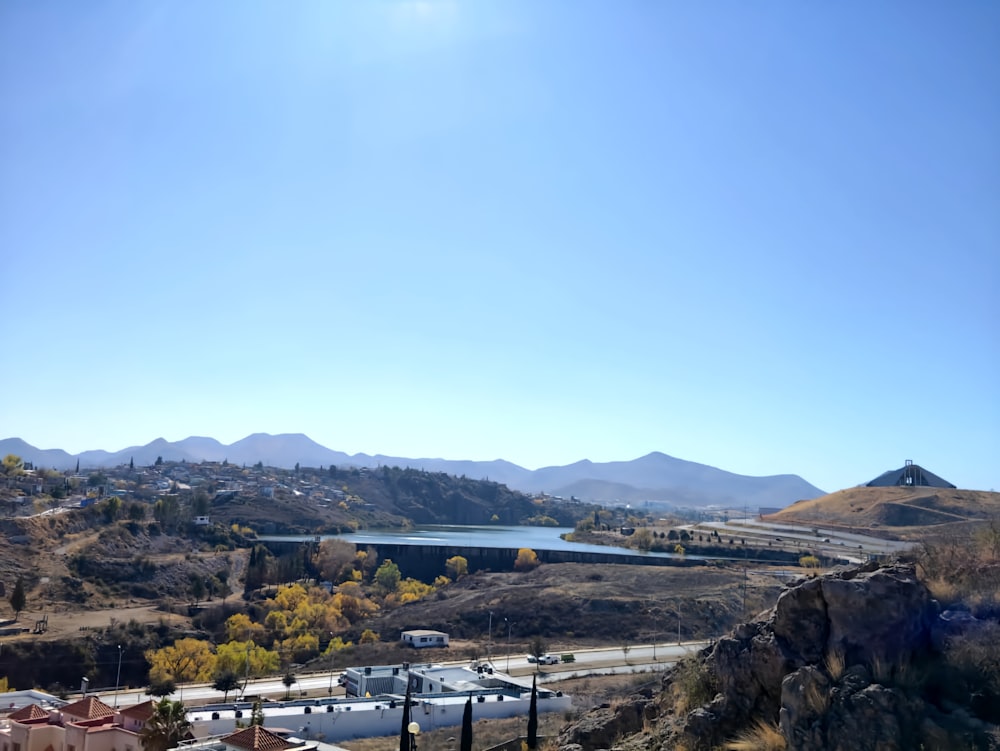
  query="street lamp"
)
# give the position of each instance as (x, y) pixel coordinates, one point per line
(489, 642)
(118, 678)
(414, 730)
(510, 624)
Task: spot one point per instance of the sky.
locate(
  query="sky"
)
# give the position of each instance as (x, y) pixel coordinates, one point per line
(760, 236)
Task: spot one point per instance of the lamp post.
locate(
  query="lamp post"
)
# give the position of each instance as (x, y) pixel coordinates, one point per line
(489, 642)
(118, 678)
(414, 730)
(510, 625)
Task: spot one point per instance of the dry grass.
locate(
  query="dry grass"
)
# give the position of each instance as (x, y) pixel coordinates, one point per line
(817, 699)
(835, 664)
(762, 736)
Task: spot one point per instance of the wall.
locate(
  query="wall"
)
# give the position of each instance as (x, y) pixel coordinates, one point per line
(365, 723)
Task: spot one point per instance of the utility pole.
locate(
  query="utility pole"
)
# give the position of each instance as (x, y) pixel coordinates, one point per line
(510, 625)
(489, 642)
(118, 678)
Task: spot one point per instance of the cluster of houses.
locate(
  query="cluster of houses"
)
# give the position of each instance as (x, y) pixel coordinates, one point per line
(48, 724)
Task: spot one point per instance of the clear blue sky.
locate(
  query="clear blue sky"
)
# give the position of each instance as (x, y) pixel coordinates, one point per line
(762, 236)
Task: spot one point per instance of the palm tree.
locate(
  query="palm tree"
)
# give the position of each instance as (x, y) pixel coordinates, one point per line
(167, 727)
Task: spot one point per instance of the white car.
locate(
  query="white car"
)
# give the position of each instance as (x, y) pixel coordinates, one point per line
(544, 659)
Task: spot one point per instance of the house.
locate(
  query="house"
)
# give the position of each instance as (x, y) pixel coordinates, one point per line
(85, 725)
(255, 738)
(420, 638)
(201, 521)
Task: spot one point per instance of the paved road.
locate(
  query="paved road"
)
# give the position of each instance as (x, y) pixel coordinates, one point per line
(846, 544)
(588, 661)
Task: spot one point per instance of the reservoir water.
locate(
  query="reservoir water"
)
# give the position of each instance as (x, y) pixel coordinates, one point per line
(487, 536)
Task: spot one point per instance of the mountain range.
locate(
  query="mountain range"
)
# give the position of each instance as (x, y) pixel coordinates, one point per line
(654, 477)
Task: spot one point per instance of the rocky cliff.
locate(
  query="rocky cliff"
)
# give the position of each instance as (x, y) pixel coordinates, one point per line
(851, 661)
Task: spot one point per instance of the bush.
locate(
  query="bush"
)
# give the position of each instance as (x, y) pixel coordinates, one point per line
(694, 681)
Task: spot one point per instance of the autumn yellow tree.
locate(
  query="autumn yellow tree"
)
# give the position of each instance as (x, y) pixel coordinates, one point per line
(526, 560)
(183, 661)
(240, 627)
(412, 590)
(245, 658)
(456, 566)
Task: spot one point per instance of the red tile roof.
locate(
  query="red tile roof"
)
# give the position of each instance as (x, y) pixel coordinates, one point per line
(141, 712)
(90, 708)
(30, 712)
(256, 738)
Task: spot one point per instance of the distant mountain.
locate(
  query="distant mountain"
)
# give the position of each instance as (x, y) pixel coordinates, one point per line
(654, 477)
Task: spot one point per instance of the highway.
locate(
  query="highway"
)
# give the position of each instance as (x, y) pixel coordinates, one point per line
(320, 685)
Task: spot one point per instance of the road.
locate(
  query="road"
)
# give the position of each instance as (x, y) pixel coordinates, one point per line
(842, 544)
(587, 661)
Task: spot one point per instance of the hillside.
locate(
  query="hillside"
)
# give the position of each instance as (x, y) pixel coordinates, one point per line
(653, 477)
(903, 512)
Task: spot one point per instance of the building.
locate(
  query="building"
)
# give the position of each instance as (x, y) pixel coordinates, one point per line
(438, 697)
(908, 476)
(85, 725)
(421, 638)
(255, 738)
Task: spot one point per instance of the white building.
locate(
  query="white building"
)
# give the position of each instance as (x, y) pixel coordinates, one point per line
(438, 700)
(421, 638)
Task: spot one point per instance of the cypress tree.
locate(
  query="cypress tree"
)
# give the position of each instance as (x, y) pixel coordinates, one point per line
(404, 728)
(533, 716)
(18, 598)
(467, 726)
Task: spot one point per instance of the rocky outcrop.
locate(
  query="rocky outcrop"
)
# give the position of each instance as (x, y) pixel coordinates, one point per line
(843, 662)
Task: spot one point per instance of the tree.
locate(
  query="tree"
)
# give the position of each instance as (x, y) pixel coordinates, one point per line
(131, 463)
(626, 647)
(167, 727)
(12, 465)
(226, 681)
(526, 560)
(672, 535)
(387, 576)
(368, 637)
(289, 681)
(456, 566)
(245, 658)
(161, 688)
(111, 508)
(335, 559)
(533, 715)
(257, 714)
(404, 728)
(537, 649)
(18, 598)
(466, 742)
(197, 588)
(159, 461)
(185, 660)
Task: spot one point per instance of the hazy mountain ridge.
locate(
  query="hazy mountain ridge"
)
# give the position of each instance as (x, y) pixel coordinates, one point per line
(654, 477)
